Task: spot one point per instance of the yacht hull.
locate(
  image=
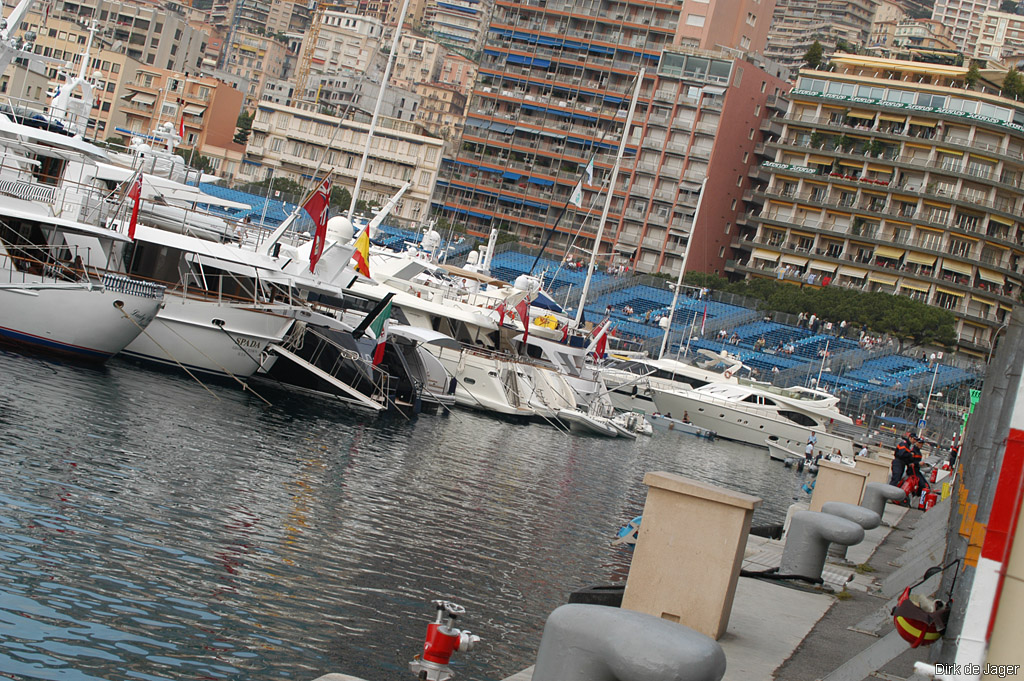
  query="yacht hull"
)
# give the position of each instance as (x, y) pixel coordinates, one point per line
(484, 382)
(84, 320)
(210, 337)
(746, 425)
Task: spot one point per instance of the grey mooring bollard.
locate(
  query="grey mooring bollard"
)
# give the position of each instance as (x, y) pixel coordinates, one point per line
(877, 493)
(598, 643)
(864, 517)
(807, 542)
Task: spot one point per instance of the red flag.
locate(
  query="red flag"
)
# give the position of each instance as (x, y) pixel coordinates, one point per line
(181, 126)
(601, 347)
(317, 207)
(565, 333)
(135, 194)
(703, 319)
(523, 309)
(501, 313)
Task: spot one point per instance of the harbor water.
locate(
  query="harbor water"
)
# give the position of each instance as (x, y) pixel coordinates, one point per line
(154, 529)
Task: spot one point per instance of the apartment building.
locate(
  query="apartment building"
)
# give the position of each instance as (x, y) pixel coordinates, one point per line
(253, 59)
(552, 93)
(205, 107)
(891, 176)
(1000, 38)
(65, 40)
(293, 142)
(418, 61)
(148, 32)
(459, 24)
(797, 24)
(343, 43)
(457, 71)
(962, 18)
(442, 112)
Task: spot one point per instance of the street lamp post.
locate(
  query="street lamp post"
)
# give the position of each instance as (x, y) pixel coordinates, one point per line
(928, 402)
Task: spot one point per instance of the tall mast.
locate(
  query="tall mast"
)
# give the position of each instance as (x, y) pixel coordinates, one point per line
(611, 192)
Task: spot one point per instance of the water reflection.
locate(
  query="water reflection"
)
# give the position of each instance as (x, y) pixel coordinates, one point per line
(151, 530)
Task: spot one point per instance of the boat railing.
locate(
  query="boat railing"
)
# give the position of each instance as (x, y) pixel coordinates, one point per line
(48, 264)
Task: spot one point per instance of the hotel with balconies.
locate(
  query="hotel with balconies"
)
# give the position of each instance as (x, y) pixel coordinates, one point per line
(552, 93)
(298, 142)
(892, 176)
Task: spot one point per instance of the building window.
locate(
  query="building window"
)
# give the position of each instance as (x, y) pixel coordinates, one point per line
(695, 20)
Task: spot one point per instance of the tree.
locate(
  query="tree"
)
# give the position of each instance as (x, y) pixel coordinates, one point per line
(1013, 85)
(194, 160)
(243, 126)
(972, 76)
(341, 199)
(814, 55)
(843, 46)
(1008, 6)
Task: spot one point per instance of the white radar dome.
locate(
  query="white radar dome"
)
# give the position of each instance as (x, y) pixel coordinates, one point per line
(524, 282)
(339, 229)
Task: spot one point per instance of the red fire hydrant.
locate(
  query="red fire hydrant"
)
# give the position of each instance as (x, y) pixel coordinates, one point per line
(442, 640)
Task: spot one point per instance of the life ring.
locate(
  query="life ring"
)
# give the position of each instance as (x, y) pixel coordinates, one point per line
(728, 373)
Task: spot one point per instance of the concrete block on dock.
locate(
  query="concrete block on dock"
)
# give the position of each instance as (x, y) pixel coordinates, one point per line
(808, 539)
(837, 482)
(877, 470)
(688, 554)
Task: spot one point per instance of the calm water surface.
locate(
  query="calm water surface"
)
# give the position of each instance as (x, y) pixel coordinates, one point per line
(150, 529)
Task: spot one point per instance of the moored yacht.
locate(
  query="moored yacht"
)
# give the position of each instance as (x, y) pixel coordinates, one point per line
(52, 300)
(751, 412)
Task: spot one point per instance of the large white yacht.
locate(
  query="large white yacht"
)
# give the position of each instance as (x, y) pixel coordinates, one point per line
(753, 412)
(630, 377)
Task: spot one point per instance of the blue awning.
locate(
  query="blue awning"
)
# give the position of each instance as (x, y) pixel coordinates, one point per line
(510, 175)
(448, 5)
(541, 181)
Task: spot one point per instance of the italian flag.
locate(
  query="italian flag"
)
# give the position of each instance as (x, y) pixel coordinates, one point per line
(380, 330)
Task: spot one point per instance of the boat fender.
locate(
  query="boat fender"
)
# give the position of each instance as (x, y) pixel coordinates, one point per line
(728, 374)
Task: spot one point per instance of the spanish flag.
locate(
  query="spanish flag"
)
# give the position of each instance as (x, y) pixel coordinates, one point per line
(362, 253)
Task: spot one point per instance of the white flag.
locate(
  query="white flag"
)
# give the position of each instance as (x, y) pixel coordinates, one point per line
(576, 198)
(590, 172)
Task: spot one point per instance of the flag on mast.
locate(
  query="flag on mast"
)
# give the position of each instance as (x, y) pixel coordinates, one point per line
(135, 194)
(181, 126)
(362, 253)
(380, 331)
(576, 198)
(590, 171)
(703, 319)
(317, 206)
(523, 310)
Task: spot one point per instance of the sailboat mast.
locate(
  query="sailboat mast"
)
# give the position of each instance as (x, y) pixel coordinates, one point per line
(376, 107)
(682, 269)
(611, 191)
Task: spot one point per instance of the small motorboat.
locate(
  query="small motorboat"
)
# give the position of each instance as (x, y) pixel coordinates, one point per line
(780, 452)
(632, 424)
(669, 424)
(591, 424)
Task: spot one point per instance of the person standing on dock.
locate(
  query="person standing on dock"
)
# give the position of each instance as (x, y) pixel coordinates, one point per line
(900, 458)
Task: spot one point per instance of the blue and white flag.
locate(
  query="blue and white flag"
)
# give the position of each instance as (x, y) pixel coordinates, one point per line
(576, 198)
(590, 172)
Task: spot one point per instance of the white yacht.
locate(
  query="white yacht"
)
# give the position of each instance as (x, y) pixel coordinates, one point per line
(630, 377)
(51, 299)
(56, 291)
(751, 412)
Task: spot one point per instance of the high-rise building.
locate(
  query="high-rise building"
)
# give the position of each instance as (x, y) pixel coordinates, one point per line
(552, 93)
(962, 18)
(459, 24)
(797, 24)
(1000, 38)
(893, 176)
(145, 31)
